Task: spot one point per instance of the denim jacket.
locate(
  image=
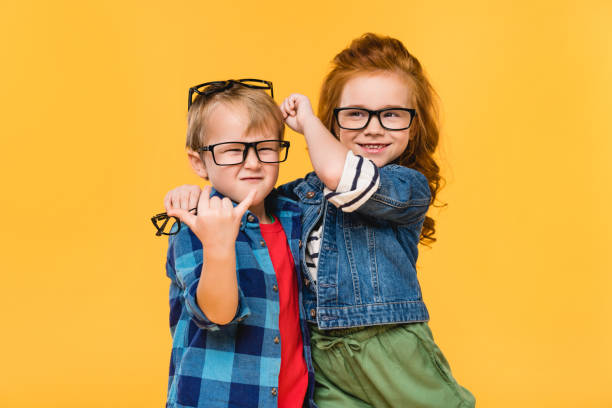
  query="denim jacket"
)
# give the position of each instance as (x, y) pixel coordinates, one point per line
(367, 263)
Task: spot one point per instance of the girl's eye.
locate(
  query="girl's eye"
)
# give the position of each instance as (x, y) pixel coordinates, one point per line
(390, 114)
(356, 113)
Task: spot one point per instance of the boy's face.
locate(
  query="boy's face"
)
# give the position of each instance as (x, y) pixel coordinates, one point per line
(229, 123)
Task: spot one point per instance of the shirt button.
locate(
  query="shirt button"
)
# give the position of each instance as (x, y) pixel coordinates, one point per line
(300, 243)
(313, 313)
(274, 392)
(250, 218)
(310, 194)
(275, 288)
(262, 243)
(276, 340)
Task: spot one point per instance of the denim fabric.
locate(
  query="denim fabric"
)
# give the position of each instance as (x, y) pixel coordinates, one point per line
(367, 264)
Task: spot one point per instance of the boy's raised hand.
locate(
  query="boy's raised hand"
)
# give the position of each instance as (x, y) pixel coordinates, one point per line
(296, 109)
(217, 221)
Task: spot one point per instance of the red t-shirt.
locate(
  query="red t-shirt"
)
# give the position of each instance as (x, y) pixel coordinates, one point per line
(293, 377)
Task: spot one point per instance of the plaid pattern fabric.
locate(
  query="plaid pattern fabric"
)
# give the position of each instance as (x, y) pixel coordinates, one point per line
(234, 365)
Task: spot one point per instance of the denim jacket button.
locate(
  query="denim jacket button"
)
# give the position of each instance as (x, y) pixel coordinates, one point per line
(276, 340)
(250, 218)
(310, 194)
(273, 391)
(313, 313)
(275, 288)
(306, 282)
(262, 243)
(300, 243)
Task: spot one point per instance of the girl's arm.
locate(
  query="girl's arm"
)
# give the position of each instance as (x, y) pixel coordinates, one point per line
(327, 154)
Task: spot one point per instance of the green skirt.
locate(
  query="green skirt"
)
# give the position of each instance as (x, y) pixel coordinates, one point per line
(383, 366)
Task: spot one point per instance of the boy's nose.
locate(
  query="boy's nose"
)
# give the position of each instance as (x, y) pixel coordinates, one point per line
(251, 159)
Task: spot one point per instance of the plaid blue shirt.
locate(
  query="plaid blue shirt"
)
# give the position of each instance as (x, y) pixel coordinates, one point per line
(237, 364)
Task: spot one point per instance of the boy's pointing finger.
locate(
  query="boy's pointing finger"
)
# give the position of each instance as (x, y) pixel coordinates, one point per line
(241, 208)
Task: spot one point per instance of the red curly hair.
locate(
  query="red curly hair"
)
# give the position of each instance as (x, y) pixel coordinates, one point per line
(371, 53)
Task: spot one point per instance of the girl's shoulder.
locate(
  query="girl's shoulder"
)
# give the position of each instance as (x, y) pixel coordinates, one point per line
(307, 188)
(403, 173)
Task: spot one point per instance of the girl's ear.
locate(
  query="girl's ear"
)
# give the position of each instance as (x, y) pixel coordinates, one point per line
(197, 164)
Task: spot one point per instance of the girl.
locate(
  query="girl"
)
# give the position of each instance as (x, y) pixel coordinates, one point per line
(364, 214)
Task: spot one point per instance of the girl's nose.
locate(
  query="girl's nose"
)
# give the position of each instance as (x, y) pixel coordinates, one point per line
(374, 127)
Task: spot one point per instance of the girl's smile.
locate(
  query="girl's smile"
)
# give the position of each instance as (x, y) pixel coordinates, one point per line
(373, 148)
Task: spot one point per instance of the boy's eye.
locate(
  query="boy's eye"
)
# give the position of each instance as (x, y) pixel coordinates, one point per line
(231, 148)
(268, 147)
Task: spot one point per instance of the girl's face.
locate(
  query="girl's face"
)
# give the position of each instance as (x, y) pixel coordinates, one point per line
(374, 91)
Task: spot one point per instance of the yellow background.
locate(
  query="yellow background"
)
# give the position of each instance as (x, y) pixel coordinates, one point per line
(93, 101)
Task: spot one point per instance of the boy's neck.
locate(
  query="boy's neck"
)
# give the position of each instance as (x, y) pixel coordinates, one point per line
(259, 211)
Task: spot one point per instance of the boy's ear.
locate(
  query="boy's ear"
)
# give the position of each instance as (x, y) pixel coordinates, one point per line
(197, 164)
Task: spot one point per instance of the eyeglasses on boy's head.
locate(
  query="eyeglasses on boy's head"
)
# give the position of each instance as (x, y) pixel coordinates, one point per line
(210, 88)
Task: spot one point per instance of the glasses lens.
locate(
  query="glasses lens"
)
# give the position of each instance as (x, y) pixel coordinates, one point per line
(229, 153)
(353, 118)
(395, 118)
(272, 151)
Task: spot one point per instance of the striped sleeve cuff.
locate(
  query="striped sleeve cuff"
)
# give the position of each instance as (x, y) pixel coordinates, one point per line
(358, 182)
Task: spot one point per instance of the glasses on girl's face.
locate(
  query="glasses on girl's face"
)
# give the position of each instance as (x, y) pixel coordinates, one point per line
(231, 153)
(167, 225)
(389, 118)
(209, 88)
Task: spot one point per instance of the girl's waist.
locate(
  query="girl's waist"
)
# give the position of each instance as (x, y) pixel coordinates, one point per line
(359, 316)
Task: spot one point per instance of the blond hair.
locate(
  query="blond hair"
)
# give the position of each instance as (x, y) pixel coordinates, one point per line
(264, 114)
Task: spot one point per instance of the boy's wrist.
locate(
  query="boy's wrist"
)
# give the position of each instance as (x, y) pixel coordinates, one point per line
(218, 252)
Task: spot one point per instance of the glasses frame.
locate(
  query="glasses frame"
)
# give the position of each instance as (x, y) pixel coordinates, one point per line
(165, 218)
(247, 145)
(374, 113)
(220, 86)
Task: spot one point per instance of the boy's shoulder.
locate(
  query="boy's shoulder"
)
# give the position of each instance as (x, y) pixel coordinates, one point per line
(279, 202)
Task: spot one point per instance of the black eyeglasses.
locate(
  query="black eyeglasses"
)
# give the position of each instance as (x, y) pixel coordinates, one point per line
(209, 88)
(389, 118)
(230, 153)
(165, 224)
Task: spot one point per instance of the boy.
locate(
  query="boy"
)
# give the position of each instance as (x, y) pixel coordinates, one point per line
(239, 337)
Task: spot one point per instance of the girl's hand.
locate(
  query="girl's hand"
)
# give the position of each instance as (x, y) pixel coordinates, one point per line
(184, 197)
(217, 221)
(297, 110)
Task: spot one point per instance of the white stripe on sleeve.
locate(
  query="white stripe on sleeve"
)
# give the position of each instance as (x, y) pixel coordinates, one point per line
(358, 182)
